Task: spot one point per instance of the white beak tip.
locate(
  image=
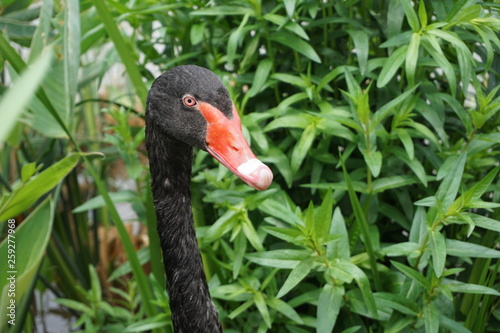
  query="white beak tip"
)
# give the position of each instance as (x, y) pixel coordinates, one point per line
(256, 174)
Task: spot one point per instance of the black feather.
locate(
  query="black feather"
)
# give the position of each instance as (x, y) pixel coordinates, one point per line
(171, 131)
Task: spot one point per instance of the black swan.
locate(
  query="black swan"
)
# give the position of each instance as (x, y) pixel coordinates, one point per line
(188, 106)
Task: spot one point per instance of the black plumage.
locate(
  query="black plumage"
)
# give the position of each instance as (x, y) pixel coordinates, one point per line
(171, 130)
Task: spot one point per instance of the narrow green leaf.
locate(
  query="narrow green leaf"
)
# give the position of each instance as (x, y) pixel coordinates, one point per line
(296, 44)
(280, 211)
(485, 222)
(407, 142)
(410, 14)
(223, 11)
(324, 215)
(448, 189)
(391, 66)
(438, 250)
(458, 248)
(339, 249)
(223, 225)
(17, 98)
(261, 305)
(398, 303)
(431, 318)
(29, 242)
(412, 56)
(412, 274)
(361, 44)
(362, 282)
(98, 201)
(422, 13)
(196, 34)
(284, 309)
(290, 79)
(260, 77)
(296, 275)
(301, 120)
(25, 196)
(373, 160)
(74, 305)
(251, 235)
(302, 147)
(363, 225)
(122, 48)
(431, 45)
(329, 304)
(288, 24)
(95, 284)
(71, 53)
(401, 249)
(471, 288)
(286, 259)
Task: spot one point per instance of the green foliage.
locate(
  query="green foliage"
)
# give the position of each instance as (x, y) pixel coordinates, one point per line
(380, 120)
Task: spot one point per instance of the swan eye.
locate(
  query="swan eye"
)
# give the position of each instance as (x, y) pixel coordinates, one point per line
(189, 101)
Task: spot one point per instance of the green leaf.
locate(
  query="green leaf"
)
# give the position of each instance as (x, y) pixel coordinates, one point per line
(260, 303)
(458, 248)
(438, 250)
(362, 282)
(374, 161)
(290, 7)
(29, 241)
(122, 48)
(431, 318)
(412, 56)
(471, 288)
(302, 147)
(323, 216)
(296, 275)
(98, 201)
(407, 142)
(448, 189)
(196, 33)
(289, 25)
(260, 77)
(286, 259)
(329, 304)
(301, 120)
(295, 43)
(484, 222)
(223, 11)
(25, 196)
(223, 225)
(397, 302)
(412, 274)
(15, 100)
(284, 309)
(411, 16)
(280, 211)
(362, 224)
(432, 46)
(74, 305)
(339, 249)
(474, 193)
(251, 234)
(391, 66)
(362, 47)
(422, 13)
(401, 249)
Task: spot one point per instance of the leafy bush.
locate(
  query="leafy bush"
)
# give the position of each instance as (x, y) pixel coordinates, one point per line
(380, 121)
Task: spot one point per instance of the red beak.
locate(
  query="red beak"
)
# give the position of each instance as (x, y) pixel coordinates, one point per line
(225, 142)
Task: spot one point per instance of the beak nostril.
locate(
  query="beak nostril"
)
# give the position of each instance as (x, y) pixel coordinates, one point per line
(236, 149)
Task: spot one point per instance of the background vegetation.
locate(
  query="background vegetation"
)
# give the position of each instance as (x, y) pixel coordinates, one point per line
(379, 119)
